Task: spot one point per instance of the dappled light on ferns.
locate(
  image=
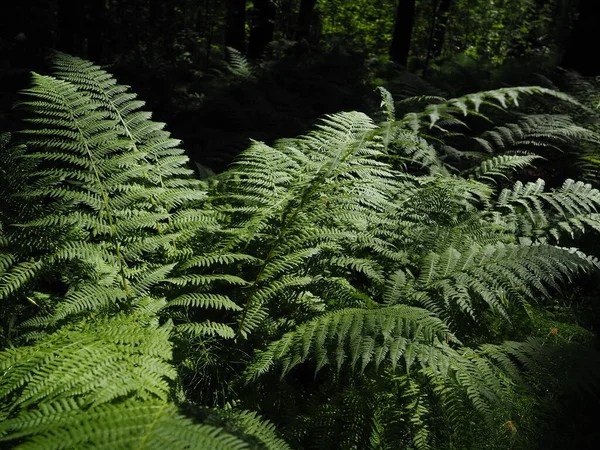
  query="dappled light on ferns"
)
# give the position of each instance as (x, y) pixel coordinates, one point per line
(148, 309)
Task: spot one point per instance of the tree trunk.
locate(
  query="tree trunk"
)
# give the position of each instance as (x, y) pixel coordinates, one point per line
(235, 24)
(578, 55)
(262, 28)
(304, 19)
(439, 30)
(405, 17)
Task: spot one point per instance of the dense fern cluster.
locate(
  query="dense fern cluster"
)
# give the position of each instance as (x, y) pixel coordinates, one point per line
(353, 285)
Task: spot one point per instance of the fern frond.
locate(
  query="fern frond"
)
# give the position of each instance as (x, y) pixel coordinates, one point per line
(286, 193)
(470, 104)
(206, 328)
(15, 276)
(491, 272)
(145, 137)
(574, 203)
(534, 132)
(355, 337)
(201, 300)
(238, 65)
(499, 166)
(124, 425)
(258, 431)
(77, 362)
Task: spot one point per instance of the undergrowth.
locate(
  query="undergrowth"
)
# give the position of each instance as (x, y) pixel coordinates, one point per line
(375, 283)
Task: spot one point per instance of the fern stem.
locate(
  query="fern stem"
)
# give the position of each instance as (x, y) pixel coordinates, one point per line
(105, 198)
(152, 426)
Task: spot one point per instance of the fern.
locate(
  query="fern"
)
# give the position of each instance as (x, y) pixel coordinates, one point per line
(489, 273)
(118, 182)
(349, 284)
(461, 260)
(534, 130)
(285, 215)
(256, 431)
(79, 359)
(470, 104)
(574, 205)
(124, 425)
(238, 65)
(499, 166)
(361, 337)
(114, 222)
(438, 141)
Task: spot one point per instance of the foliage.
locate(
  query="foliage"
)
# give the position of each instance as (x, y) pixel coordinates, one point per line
(356, 285)
(510, 28)
(362, 25)
(103, 222)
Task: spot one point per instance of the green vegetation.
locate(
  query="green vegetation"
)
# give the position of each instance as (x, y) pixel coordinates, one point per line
(366, 285)
(382, 232)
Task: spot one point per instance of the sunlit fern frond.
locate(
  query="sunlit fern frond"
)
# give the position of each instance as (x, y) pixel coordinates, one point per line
(114, 186)
(464, 276)
(238, 65)
(296, 207)
(470, 104)
(168, 163)
(127, 424)
(501, 166)
(133, 352)
(532, 211)
(535, 132)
